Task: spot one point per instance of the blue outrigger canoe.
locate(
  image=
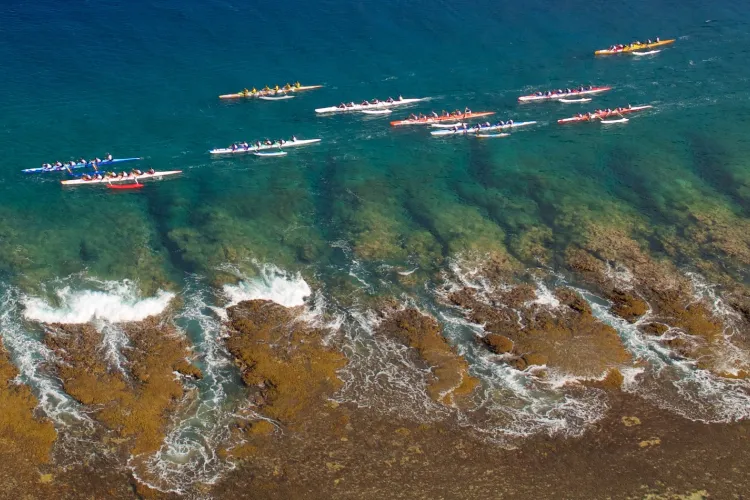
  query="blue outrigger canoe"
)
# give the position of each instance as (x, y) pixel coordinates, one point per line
(100, 165)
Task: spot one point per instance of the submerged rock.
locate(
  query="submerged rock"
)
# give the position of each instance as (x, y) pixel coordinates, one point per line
(25, 440)
(451, 380)
(498, 344)
(284, 362)
(137, 399)
(565, 336)
(637, 283)
(627, 306)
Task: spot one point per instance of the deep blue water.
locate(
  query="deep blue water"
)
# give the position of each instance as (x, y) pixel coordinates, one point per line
(142, 78)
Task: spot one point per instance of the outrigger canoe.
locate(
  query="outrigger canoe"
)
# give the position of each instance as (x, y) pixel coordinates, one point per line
(264, 147)
(632, 48)
(480, 130)
(603, 114)
(268, 93)
(375, 105)
(90, 164)
(132, 178)
(450, 118)
(563, 95)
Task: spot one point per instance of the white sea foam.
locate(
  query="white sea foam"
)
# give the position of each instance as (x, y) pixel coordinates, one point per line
(30, 355)
(516, 403)
(112, 301)
(671, 381)
(271, 283)
(189, 453)
(544, 296)
(114, 342)
(381, 373)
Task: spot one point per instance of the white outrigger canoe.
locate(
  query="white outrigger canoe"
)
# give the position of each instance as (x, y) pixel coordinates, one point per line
(119, 180)
(563, 95)
(377, 111)
(279, 98)
(264, 147)
(481, 130)
(270, 153)
(362, 107)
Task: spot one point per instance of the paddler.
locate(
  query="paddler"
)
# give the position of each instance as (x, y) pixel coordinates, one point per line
(365, 103)
(151, 171)
(266, 89)
(287, 87)
(245, 92)
(342, 106)
(135, 171)
(294, 138)
(86, 177)
(234, 147)
(82, 160)
(412, 116)
(245, 146)
(444, 113)
(467, 111)
(434, 115)
(390, 99)
(400, 98)
(658, 39)
(297, 85)
(375, 101)
(253, 91)
(276, 88)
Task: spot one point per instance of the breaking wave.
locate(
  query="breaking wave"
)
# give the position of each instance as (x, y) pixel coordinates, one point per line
(112, 301)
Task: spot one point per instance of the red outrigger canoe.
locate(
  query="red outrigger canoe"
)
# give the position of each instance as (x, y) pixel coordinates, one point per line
(450, 118)
(602, 115)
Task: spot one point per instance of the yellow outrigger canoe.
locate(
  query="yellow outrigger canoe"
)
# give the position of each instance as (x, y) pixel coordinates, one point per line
(633, 47)
(268, 93)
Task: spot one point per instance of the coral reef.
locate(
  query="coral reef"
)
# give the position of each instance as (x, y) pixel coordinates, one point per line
(135, 402)
(566, 336)
(284, 362)
(451, 381)
(25, 440)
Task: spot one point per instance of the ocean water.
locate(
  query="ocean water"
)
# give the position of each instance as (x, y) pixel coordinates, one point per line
(342, 218)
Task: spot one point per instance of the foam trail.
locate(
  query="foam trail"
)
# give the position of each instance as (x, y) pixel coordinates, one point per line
(513, 403)
(672, 382)
(29, 354)
(381, 373)
(114, 341)
(189, 452)
(113, 301)
(272, 283)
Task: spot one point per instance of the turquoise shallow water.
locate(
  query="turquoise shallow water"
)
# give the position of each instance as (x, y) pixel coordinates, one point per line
(142, 79)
